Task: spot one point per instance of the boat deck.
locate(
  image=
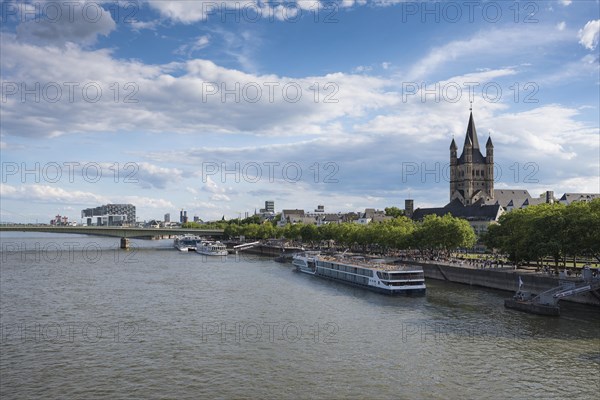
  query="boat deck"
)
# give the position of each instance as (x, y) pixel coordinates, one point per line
(376, 266)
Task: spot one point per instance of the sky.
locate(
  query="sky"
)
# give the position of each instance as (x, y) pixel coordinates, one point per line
(217, 106)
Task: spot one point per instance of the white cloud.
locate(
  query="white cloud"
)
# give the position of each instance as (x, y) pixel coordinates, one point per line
(198, 44)
(211, 186)
(66, 22)
(49, 194)
(566, 2)
(149, 175)
(140, 25)
(588, 36)
(218, 193)
(351, 3)
(188, 12)
(583, 68)
(147, 202)
(561, 26)
(183, 97)
(362, 68)
(185, 12)
(220, 197)
(492, 43)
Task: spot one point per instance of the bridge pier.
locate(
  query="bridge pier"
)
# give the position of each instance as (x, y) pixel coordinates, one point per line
(124, 243)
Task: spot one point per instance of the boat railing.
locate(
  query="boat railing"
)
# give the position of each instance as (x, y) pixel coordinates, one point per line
(375, 264)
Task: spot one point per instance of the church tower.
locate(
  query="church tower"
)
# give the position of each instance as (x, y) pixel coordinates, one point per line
(472, 174)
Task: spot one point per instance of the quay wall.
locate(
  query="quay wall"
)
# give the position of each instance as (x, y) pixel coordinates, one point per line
(271, 251)
(502, 278)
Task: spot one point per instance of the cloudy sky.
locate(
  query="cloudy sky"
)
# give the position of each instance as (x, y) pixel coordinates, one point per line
(215, 107)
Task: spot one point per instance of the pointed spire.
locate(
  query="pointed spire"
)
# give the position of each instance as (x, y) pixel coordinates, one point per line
(453, 144)
(472, 133)
(489, 141)
(468, 142)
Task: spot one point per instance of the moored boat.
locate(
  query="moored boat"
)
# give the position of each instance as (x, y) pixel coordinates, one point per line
(528, 302)
(211, 248)
(186, 242)
(374, 275)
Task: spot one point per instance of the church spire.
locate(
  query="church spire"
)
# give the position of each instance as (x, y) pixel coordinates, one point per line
(472, 133)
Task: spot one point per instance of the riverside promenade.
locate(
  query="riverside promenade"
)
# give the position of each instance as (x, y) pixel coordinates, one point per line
(503, 278)
(488, 274)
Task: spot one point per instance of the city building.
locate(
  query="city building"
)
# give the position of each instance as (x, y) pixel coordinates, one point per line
(60, 221)
(270, 206)
(372, 215)
(109, 215)
(291, 217)
(167, 217)
(569, 198)
(183, 218)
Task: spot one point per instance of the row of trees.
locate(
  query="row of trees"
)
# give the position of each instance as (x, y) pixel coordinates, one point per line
(434, 233)
(546, 231)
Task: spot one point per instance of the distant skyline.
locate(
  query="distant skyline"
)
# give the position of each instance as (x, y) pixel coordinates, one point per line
(215, 107)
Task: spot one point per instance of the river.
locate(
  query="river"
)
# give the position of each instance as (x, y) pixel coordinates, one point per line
(82, 319)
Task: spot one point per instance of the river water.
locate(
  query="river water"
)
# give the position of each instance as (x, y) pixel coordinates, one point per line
(82, 319)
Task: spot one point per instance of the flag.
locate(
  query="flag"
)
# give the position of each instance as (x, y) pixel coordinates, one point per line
(520, 282)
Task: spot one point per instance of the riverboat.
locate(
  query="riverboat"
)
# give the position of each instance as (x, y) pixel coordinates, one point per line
(211, 248)
(186, 242)
(374, 275)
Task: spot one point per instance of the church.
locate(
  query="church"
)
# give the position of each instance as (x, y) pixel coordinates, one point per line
(472, 174)
(472, 193)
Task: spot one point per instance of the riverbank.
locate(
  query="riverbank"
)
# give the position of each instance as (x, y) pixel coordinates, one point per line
(500, 278)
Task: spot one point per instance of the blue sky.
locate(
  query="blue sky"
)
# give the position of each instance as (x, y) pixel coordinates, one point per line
(215, 107)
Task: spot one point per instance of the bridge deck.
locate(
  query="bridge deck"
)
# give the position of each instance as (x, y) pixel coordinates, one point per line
(114, 231)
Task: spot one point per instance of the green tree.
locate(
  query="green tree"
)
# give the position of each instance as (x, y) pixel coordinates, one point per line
(442, 234)
(393, 212)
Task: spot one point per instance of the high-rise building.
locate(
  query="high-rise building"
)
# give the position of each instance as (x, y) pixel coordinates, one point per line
(110, 215)
(167, 217)
(270, 206)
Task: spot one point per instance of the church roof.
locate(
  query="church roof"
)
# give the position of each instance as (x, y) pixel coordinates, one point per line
(453, 145)
(471, 138)
(511, 197)
(489, 142)
(457, 209)
(472, 133)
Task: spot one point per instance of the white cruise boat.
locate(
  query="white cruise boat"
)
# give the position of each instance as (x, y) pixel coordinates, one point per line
(211, 248)
(306, 262)
(374, 275)
(186, 242)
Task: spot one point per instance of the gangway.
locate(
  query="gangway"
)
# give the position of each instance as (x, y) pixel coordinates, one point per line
(546, 303)
(245, 246)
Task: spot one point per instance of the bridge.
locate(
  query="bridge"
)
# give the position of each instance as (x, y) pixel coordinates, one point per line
(114, 231)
